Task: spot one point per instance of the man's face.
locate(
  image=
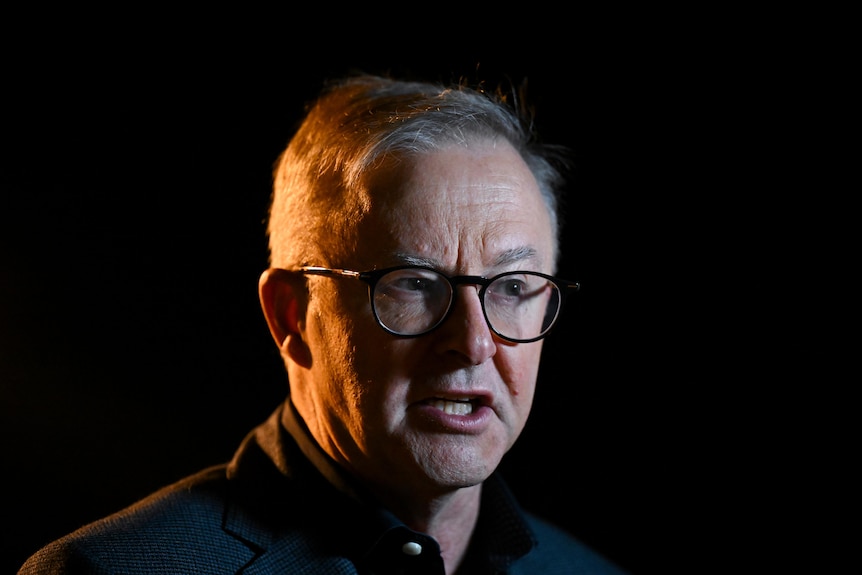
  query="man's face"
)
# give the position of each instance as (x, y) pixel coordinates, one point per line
(376, 402)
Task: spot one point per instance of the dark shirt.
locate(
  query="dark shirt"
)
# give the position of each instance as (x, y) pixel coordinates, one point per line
(282, 506)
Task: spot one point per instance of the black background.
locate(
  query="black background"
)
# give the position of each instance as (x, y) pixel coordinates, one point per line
(679, 421)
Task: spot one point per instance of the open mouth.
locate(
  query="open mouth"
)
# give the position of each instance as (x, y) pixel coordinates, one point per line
(457, 406)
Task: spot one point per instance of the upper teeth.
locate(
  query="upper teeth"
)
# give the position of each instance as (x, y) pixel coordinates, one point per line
(460, 407)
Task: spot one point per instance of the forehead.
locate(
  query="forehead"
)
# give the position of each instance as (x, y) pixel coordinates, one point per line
(462, 207)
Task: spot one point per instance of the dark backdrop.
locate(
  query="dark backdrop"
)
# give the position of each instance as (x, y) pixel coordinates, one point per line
(675, 408)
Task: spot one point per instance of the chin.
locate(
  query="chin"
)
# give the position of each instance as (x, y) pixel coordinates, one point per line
(453, 473)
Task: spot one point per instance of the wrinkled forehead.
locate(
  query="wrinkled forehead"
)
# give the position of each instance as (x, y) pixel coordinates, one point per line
(455, 205)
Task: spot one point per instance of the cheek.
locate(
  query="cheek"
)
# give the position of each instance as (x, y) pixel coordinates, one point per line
(386, 362)
(342, 319)
(355, 351)
(519, 368)
(333, 332)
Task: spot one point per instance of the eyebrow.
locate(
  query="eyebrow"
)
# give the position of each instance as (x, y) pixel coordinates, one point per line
(507, 257)
(418, 260)
(516, 255)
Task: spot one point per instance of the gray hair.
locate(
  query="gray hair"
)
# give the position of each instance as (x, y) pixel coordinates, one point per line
(360, 121)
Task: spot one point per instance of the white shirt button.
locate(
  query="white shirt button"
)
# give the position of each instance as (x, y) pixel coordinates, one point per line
(411, 548)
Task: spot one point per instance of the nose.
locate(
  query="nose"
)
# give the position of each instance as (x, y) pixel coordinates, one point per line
(466, 333)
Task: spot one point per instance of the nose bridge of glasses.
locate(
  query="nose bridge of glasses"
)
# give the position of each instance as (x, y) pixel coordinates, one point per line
(478, 281)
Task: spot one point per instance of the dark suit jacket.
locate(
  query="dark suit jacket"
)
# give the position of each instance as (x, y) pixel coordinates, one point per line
(271, 511)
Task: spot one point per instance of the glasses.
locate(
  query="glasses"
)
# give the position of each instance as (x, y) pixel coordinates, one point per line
(410, 301)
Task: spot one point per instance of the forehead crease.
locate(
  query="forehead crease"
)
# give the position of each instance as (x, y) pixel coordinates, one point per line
(503, 258)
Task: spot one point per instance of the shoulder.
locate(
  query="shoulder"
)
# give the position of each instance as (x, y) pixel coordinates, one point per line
(558, 552)
(195, 500)
(162, 533)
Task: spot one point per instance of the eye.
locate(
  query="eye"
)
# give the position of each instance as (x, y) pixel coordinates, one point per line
(512, 287)
(411, 283)
(411, 279)
(414, 284)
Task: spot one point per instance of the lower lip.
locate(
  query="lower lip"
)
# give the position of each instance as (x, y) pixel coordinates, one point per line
(472, 423)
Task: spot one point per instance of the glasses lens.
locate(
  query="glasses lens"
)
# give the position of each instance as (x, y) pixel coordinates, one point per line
(522, 306)
(411, 301)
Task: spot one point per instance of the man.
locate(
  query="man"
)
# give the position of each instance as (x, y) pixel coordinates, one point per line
(413, 237)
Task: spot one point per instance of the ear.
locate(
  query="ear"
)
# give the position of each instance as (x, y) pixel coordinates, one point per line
(282, 298)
